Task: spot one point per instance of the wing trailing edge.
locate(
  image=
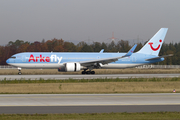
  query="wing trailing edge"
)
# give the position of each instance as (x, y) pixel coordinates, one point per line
(108, 60)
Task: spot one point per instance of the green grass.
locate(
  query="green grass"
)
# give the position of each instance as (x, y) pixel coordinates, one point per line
(95, 116)
(5, 81)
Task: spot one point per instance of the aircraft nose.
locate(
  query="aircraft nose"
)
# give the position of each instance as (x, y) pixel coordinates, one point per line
(7, 61)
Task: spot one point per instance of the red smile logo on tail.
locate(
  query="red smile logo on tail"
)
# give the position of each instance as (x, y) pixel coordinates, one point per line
(155, 49)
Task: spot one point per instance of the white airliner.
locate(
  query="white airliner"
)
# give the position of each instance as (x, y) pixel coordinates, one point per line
(87, 61)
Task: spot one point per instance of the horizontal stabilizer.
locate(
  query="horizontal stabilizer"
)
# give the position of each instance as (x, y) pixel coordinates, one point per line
(159, 57)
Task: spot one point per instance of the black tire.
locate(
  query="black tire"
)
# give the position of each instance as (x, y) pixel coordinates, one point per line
(19, 73)
(83, 72)
(92, 72)
(88, 72)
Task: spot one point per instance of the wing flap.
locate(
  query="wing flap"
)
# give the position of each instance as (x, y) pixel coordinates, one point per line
(108, 60)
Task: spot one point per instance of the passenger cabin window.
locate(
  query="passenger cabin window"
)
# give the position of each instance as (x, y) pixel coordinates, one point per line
(13, 57)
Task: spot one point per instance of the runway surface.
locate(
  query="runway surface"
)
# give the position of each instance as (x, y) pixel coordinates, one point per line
(89, 103)
(45, 77)
(87, 109)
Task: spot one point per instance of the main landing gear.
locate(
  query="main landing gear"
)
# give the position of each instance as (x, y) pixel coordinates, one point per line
(19, 73)
(88, 72)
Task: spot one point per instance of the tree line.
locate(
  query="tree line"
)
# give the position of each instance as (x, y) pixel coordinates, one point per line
(59, 45)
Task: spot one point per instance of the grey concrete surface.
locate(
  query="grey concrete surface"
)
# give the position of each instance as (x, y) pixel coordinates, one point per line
(88, 103)
(89, 99)
(36, 77)
(88, 109)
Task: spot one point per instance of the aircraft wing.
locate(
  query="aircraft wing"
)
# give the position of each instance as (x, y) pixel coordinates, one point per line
(159, 57)
(107, 60)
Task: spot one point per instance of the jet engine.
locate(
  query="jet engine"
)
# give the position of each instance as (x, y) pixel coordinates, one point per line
(70, 67)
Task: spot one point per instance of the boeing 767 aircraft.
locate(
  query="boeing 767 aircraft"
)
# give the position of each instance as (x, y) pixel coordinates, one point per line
(87, 61)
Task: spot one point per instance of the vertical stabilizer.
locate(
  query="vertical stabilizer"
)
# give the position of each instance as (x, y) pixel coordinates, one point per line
(154, 45)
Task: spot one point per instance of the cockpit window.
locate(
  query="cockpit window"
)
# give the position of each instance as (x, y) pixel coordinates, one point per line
(13, 57)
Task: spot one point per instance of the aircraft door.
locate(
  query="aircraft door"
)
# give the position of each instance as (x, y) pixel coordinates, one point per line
(23, 58)
(133, 59)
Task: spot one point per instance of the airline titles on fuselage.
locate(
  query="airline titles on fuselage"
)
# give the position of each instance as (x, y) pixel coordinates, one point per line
(53, 58)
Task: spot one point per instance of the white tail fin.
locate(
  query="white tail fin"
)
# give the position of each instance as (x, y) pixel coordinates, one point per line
(154, 45)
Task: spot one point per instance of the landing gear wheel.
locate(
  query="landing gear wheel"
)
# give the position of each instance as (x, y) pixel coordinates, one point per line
(83, 72)
(88, 72)
(92, 72)
(19, 73)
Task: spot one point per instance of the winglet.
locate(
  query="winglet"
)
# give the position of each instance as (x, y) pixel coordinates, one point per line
(129, 53)
(101, 51)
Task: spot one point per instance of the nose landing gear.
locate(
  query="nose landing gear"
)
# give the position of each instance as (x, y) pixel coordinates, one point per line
(19, 73)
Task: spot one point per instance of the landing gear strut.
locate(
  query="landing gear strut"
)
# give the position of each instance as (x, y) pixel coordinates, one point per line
(19, 73)
(88, 72)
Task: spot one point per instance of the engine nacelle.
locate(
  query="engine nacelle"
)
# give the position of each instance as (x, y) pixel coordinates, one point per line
(70, 67)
